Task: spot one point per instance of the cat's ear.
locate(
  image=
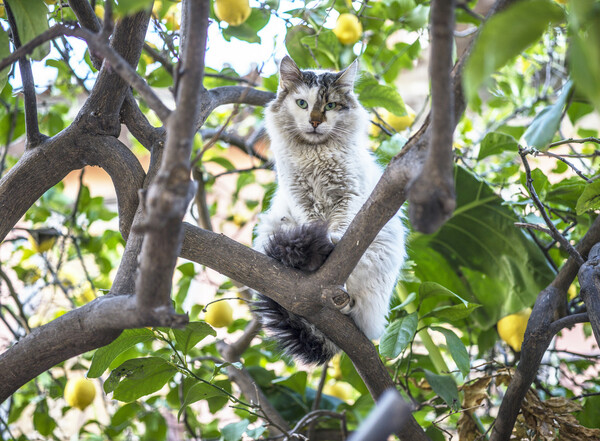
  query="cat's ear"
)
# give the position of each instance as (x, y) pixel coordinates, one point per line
(348, 75)
(289, 73)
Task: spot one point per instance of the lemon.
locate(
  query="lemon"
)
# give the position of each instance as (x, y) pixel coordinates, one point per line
(2, 11)
(512, 328)
(219, 314)
(348, 29)
(99, 10)
(234, 12)
(341, 390)
(80, 392)
(397, 123)
(337, 369)
(572, 292)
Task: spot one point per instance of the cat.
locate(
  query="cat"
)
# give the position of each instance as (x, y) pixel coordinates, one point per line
(325, 172)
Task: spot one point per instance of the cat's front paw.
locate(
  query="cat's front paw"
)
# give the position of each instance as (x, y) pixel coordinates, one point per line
(335, 237)
(347, 309)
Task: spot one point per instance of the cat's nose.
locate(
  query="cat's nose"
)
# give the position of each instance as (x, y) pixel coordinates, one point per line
(315, 123)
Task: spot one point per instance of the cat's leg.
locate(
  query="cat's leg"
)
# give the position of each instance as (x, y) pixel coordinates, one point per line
(371, 284)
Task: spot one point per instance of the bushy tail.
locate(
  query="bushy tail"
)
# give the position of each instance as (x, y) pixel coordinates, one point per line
(304, 247)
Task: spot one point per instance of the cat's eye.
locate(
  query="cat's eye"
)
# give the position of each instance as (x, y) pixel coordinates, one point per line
(302, 104)
(330, 106)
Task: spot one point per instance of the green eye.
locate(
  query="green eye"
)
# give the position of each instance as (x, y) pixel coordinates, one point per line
(330, 106)
(302, 104)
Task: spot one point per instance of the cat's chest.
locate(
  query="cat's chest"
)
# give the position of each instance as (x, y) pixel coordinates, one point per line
(323, 189)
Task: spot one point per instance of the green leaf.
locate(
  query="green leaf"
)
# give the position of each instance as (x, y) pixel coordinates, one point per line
(248, 30)
(590, 198)
(296, 382)
(199, 391)
(481, 255)
(495, 143)
(409, 299)
(105, 355)
(373, 94)
(543, 127)
(584, 52)
(445, 387)
(390, 148)
(504, 36)
(31, 19)
(130, 7)
(234, 431)
(452, 313)
(433, 289)
(42, 421)
(325, 46)
(297, 50)
(4, 52)
(193, 333)
(398, 335)
(457, 349)
(138, 377)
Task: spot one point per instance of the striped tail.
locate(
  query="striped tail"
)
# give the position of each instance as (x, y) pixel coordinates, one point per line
(304, 247)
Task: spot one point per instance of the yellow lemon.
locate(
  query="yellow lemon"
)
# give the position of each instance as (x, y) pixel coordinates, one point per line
(572, 292)
(99, 10)
(2, 11)
(234, 12)
(219, 314)
(80, 392)
(341, 390)
(337, 369)
(512, 328)
(398, 123)
(348, 29)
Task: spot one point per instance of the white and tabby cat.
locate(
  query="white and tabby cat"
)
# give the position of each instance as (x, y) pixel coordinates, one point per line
(325, 173)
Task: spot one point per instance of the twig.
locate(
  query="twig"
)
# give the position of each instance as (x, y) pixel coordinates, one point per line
(570, 164)
(98, 45)
(34, 137)
(317, 400)
(536, 200)
(15, 296)
(533, 227)
(575, 141)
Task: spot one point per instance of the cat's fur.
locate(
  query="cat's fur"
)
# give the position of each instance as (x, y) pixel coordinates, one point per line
(325, 173)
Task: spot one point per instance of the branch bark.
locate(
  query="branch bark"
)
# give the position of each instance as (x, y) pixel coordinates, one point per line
(589, 280)
(549, 307)
(172, 190)
(431, 194)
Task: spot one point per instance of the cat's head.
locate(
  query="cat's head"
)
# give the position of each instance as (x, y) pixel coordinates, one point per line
(315, 107)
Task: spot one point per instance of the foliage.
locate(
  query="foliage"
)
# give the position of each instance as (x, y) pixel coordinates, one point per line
(540, 68)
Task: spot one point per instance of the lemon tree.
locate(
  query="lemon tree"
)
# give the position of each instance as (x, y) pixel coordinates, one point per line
(456, 331)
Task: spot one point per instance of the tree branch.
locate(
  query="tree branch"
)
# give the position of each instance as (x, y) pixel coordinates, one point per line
(540, 331)
(34, 137)
(589, 279)
(171, 190)
(431, 194)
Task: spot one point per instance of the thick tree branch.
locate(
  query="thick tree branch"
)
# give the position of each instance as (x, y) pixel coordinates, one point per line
(589, 279)
(540, 331)
(431, 194)
(80, 330)
(40, 169)
(171, 191)
(389, 416)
